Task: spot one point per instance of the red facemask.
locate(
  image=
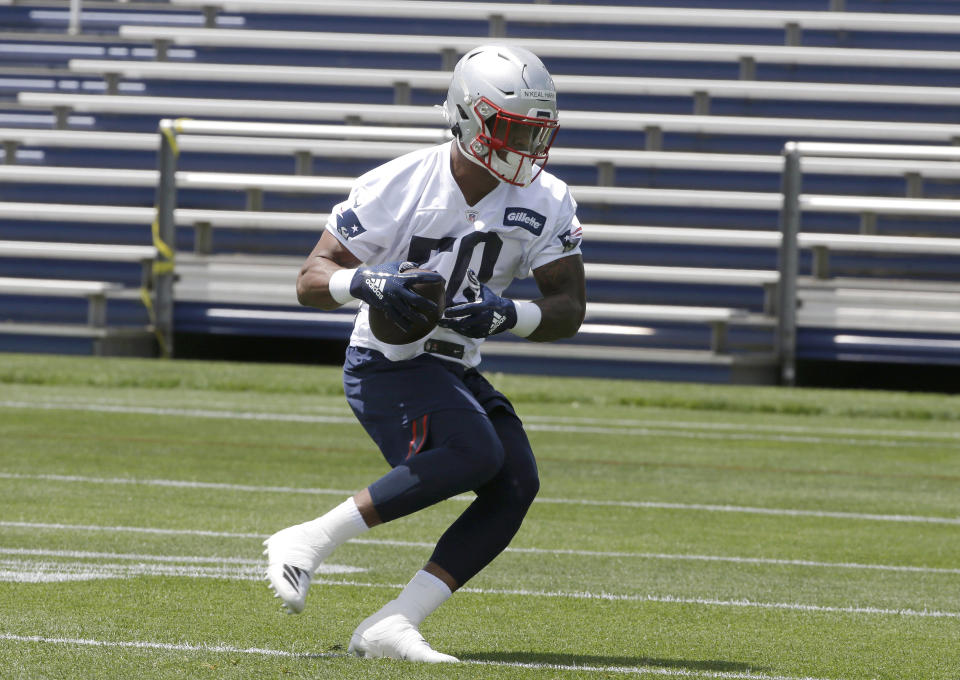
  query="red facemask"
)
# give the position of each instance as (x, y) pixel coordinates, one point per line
(512, 145)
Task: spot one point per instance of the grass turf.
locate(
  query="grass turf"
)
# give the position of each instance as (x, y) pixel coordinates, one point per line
(672, 497)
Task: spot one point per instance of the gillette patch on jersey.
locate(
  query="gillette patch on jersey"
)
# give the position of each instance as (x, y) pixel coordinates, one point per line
(348, 225)
(525, 219)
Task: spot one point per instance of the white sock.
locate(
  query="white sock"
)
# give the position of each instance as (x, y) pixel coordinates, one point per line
(337, 526)
(421, 597)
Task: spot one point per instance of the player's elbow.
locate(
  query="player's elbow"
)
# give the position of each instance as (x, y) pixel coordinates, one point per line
(573, 327)
(303, 296)
(573, 319)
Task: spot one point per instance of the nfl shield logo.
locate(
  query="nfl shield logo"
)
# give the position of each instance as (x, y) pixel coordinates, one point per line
(471, 215)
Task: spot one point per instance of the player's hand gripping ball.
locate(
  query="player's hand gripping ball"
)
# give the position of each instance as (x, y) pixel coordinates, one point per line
(484, 314)
(405, 301)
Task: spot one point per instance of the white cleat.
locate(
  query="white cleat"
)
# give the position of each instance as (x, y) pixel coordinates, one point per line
(292, 561)
(393, 636)
(290, 584)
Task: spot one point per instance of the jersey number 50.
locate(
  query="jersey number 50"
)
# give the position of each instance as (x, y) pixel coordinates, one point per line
(421, 247)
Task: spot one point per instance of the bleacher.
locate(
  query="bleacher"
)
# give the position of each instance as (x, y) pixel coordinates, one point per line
(673, 119)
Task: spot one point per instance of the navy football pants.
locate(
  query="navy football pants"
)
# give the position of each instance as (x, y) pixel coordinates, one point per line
(445, 430)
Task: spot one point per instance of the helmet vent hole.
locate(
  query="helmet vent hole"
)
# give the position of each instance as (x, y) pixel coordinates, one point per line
(463, 114)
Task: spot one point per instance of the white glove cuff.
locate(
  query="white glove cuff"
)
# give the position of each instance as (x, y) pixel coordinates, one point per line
(528, 317)
(339, 285)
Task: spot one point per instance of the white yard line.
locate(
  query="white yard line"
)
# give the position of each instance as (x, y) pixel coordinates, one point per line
(652, 505)
(743, 436)
(785, 512)
(307, 408)
(136, 530)
(165, 646)
(28, 571)
(32, 571)
(189, 413)
(691, 558)
(748, 427)
(195, 559)
(176, 559)
(613, 427)
(716, 602)
(259, 651)
(182, 484)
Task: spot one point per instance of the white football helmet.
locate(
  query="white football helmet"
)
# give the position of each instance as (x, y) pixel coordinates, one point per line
(502, 107)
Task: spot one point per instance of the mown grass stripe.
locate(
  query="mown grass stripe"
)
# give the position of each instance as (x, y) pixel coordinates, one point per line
(651, 505)
(12, 568)
(52, 402)
(260, 651)
(605, 429)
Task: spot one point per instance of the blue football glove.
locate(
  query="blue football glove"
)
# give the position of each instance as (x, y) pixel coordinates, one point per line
(387, 287)
(485, 313)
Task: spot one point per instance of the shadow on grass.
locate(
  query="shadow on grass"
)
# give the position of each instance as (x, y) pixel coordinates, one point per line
(536, 658)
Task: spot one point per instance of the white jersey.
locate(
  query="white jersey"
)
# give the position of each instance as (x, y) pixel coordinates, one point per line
(411, 208)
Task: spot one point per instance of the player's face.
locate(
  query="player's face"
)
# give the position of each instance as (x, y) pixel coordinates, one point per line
(511, 145)
(527, 138)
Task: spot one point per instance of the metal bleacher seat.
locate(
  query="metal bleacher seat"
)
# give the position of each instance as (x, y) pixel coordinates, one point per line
(597, 128)
(372, 145)
(95, 332)
(788, 24)
(616, 92)
(614, 56)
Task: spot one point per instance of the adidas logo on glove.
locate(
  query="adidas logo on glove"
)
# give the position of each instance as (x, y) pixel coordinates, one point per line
(376, 285)
(498, 320)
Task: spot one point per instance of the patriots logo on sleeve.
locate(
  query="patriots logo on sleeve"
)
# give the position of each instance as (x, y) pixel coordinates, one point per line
(348, 224)
(571, 238)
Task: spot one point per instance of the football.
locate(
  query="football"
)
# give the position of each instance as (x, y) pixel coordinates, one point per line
(386, 331)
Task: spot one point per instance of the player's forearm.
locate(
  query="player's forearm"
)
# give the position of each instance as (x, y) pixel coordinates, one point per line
(564, 300)
(313, 284)
(561, 316)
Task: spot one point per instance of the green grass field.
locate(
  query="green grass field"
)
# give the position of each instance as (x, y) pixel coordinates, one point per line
(681, 530)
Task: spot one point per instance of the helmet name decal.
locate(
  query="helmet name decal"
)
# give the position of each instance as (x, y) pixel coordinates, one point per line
(549, 95)
(525, 219)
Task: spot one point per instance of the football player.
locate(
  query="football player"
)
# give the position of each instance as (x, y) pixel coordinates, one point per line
(479, 212)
